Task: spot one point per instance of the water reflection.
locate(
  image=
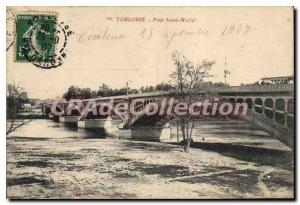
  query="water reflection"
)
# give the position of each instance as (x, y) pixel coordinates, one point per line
(51, 129)
(43, 128)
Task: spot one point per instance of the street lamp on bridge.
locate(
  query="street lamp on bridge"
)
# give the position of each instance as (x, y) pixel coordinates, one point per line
(226, 71)
(127, 87)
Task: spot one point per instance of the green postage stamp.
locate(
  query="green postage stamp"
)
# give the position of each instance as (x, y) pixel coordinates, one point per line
(35, 40)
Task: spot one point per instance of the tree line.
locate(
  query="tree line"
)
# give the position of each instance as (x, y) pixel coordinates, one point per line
(104, 90)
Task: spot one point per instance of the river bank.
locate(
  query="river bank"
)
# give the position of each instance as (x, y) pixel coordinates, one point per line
(59, 162)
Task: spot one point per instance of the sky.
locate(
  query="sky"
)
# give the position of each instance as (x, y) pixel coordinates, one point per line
(256, 41)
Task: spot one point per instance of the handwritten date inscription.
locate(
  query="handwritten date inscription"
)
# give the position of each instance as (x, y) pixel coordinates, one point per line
(236, 29)
(168, 35)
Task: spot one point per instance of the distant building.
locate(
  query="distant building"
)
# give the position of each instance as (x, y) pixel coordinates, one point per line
(26, 107)
(277, 80)
(34, 101)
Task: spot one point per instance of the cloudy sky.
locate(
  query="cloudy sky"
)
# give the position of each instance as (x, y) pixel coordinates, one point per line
(105, 48)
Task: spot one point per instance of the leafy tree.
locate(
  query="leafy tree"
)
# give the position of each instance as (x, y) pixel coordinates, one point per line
(75, 92)
(163, 87)
(210, 87)
(104, 91)
(121, 91)
(72, 93)
(93, 94)
(188, 77)
(147, 89)
(85, 93)
(15, 98)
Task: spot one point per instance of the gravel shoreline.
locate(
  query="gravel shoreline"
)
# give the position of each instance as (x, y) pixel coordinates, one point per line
(68, 168)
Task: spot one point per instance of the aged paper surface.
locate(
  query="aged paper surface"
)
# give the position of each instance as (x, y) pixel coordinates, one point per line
(64, 63)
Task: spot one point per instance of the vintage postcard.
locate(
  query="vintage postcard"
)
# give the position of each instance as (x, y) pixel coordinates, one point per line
(150, 103)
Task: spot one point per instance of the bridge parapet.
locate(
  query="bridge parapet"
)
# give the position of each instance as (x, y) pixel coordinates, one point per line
(258, 88)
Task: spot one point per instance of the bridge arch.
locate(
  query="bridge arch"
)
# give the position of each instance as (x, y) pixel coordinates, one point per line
(240, 100)
(47, 110)
(269, 103)
(258, 105)
(280, 104)
(290, 114)
(268, 109)
(290, 106)
(258, 101)
(224, 99)
(249, 102)
(279, 118)
(290, 122)
(232, 100)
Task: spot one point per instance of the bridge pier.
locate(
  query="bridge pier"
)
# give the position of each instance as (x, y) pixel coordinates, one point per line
(53, 117)
(152, 133)
(91, 123)
(69, 119)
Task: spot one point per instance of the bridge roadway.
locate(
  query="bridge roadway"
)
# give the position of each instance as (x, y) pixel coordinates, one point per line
(270, 107)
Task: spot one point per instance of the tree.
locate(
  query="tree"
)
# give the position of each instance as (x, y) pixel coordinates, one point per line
(104, 91)
(147, 89)
(75, 92)
(188, 77)
(72, 93)
(15, 99)
(121, 91)
(93, 94)
(211, 87)
(85, 93)
(163, 87)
